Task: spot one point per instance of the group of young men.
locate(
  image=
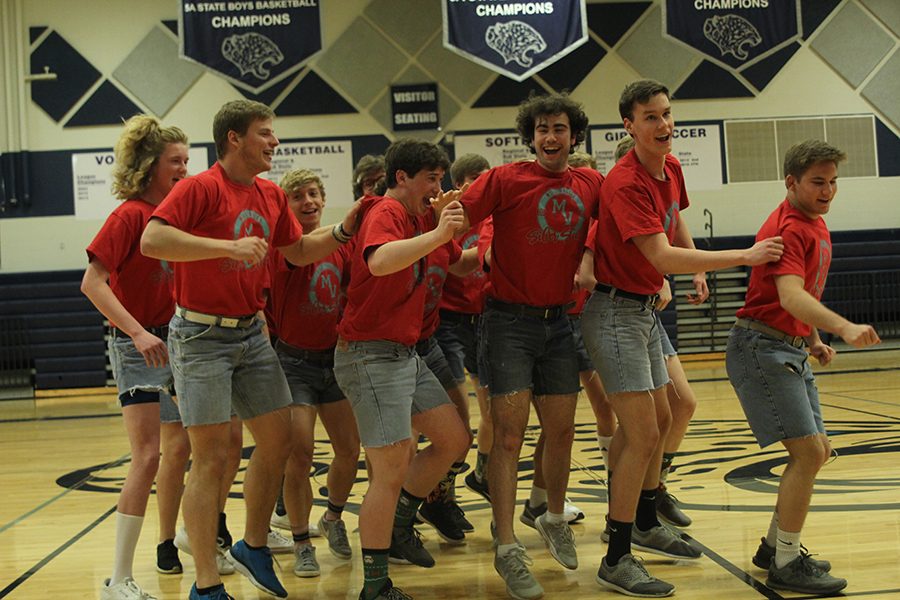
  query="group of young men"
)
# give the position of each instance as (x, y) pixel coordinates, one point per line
(519, 232)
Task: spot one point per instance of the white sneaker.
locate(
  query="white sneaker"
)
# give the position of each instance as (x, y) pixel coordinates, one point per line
(572, 513)
(222, 564)
(280, 544)
(127, 589)
(282, 522)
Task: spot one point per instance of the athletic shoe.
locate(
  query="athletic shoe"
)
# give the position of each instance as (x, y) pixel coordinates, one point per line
(256, 565)
(219, 594)
(765, 555)
(560, 541)
(801, 575)
(479, 486)
(282, 522)
(222, 564)
(439, 515)
(629, 577)
(305, 563)
(407, 548)
(572, 513)
(167, 560)
(513, 568)
(278, 543)
(530, 513)
(459, 516)
(336, 534)
(127, 589)
(495, 542)
(663, 541)
(388, 592)
(668, 510)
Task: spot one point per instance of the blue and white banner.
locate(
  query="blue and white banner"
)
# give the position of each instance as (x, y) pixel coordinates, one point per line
(733, 33)
(516, 38)
(251, 43)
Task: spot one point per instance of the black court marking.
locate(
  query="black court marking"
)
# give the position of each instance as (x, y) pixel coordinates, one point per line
(43, 562)
(857, 410)
(734, 570)
(65, 418)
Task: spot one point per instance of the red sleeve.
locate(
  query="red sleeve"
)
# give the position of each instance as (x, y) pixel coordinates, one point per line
(482, 197)
(793, 261)
(380, 227)
(632, 212)
(484, 242)
(185, 205)
(287, 229)
(591, 242)
(455, 251)
(113, 243)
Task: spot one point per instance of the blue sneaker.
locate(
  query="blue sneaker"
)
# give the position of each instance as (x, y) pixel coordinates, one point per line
(219, 594)
(256, 565)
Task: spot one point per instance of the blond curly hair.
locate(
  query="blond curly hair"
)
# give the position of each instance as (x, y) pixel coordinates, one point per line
(298, 178)
(139, 147)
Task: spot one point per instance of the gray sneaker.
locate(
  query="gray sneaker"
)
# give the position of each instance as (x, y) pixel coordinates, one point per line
(801, 575)
(513, 568)
(629, 577)
(336, 534)
(663, 541)
(560, 541)
(305, 563)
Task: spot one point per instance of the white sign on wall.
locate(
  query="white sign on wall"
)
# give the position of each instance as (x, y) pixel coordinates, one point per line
(92, 181)
(331, 160)
(698, 147)
(499, 148)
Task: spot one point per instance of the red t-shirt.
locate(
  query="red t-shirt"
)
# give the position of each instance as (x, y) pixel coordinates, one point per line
(466, 294)
(143, 285)
(389, 307)
(540, 224)
(807, 253)
(435, 277)
(305, 302)
(211, 205)
(633, 203)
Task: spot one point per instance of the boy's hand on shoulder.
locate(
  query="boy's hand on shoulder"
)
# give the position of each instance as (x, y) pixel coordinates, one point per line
(765, 251)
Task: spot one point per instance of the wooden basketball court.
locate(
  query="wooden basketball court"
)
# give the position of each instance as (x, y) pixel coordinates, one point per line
(64, 457)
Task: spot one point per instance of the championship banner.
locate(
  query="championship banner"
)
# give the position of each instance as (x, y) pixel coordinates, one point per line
(516, 38)
(698, 147)
(251, 43)
(733, 33)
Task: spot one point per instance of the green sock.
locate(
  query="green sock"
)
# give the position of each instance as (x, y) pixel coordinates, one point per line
(407, 506)
(375, 571)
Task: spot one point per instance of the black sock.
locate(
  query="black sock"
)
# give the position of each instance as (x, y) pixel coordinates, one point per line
(210, 590)
(619, 541)
(667, 459)
(645, 519)
(407, 506)
(301, 538)
(335, 509)
(223, 531)
(375, 571)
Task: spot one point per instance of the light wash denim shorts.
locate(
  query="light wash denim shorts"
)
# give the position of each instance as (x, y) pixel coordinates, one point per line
(584, 359)
(622, 337)
(431, 353)
(387, 383)
(219, 368)
(776, 387)
(312, 383)
(524, 352)
(132, 374)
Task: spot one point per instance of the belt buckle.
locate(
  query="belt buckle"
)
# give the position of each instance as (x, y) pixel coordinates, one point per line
(228, 322)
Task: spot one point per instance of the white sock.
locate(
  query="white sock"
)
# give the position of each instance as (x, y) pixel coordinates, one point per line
(772, 535)
(128, 530)
(503, 549)
(787, 547)
(550, 517)
(604, 441)
(538, 497)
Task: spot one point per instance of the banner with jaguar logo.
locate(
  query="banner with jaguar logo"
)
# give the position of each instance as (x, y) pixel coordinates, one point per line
(733, 33)
(251, 43)
(515, 38)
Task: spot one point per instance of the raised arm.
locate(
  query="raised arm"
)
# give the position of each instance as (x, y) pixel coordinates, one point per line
(399, 254)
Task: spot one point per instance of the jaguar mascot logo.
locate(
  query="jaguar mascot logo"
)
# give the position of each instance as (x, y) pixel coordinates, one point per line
(514, 41)
(250, 52)
(731, 33)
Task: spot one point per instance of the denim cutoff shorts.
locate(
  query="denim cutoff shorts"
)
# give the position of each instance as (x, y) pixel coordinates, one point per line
(220, 368)
(311, 383)
(131, 373)
(524, 352)
(622, 338)
(584, 359)
(776, 387)
(458, 336)
(434, 358)
(387, 383)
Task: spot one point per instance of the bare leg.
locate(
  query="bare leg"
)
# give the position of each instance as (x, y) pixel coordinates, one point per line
(509, 414)
(175, 448)
(271, 433)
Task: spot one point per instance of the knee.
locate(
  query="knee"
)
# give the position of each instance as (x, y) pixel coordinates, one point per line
(509, 440)
(347, 451)
(646, 443)
(146, 461)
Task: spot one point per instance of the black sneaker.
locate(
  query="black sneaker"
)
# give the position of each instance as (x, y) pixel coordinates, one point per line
(388, 592)
(801, 575)
(460, 517)
(407, 548)
(167, 558)
(530, 513)
(440, 516)
(765, 554)
(479, 486)
(668, 510)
